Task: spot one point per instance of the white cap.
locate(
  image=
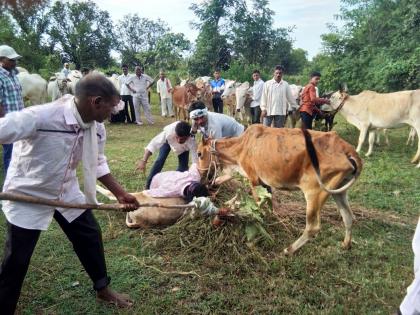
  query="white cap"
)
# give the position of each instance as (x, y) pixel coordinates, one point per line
(8, 52)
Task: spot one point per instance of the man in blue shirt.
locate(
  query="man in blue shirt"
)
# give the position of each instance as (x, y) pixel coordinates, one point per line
(10, 92)
(217, 88)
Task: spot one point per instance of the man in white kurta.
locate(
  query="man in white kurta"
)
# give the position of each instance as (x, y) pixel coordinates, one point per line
(411, 303)
(275, 100)
(138, 84)
(164, 89)
(50, 141)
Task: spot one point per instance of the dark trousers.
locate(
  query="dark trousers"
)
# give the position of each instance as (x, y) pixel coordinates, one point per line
(161, 159)
(85, 235)
(217, 105)
(7, 156)
(306, 120)
(255, 114)
(129, 113)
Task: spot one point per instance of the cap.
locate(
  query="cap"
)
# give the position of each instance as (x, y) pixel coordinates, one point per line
(8, 52)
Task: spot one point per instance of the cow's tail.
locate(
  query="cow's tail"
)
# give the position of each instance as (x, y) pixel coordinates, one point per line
(315, 163)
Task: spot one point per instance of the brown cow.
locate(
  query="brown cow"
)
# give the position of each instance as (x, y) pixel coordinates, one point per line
(182, 97)
(285, 159)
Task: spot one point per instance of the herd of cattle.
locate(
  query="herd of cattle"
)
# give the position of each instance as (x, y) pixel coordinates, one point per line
(369, 111)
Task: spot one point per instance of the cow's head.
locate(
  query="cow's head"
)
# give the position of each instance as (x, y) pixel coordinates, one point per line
(241, 93)
(230, 87)
(337, 98)
(204, 155)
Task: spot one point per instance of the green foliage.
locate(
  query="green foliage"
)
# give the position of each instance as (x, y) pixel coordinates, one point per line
(83, 31)
(378, 49)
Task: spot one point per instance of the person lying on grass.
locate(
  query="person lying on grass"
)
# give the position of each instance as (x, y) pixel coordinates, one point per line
(168, 188)
(50, 141)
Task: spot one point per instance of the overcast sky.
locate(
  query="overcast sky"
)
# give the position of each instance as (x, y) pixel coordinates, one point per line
(309, 17)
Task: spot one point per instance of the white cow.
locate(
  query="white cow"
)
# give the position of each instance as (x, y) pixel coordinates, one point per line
(295, 116)
(73, 77)
(34, 88)
(369, 111)
(243, 101)
(229, 97)
(58, 86)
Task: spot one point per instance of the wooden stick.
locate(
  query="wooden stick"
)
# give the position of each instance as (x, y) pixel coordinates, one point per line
(62, 204)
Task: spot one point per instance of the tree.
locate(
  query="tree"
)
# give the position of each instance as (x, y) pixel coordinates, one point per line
(212, 49)
(27, 21)
(83, 31)
(378, 48)
(138, 37)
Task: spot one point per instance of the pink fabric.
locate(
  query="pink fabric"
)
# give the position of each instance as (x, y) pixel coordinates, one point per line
(173, 183)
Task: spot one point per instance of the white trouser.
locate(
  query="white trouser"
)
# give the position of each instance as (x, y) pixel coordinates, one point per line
(166, 105)
(411, 303)
(142, 100)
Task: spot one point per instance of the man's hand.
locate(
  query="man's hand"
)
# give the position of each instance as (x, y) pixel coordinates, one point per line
(263, 114)
(141, 166)
(2, 113)
(129, 201)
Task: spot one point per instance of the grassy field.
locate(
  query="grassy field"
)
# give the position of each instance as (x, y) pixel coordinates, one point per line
(165, 275)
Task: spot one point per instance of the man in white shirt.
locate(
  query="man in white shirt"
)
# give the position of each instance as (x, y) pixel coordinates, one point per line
(411, 303)
(164, 89)
(257, 90)
(214, 125)
(138, 85)
(66, 70)
(275, 100)
(175, 137)
(50, 141)
(126, 97)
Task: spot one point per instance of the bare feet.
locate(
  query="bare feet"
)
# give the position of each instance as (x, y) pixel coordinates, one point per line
(109, 296)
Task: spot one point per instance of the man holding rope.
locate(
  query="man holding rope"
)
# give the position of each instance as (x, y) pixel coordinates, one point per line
(50, 140)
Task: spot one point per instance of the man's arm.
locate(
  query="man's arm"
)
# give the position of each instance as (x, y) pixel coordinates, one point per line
(118, 191)
(154, 145)
(17, 125)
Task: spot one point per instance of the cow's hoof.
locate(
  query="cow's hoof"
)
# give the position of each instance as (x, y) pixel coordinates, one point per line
(288, 251)
(346, 245)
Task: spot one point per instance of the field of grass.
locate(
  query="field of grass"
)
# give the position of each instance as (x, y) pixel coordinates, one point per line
(167, 276)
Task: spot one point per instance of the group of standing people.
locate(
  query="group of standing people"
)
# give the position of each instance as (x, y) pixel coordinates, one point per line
(52, 139)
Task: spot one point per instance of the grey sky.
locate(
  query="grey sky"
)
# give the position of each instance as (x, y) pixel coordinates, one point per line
(308, 16)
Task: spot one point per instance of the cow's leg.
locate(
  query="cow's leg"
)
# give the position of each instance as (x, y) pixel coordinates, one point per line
(417, 156)
(362, 137)
(315, 199)
(347, 215)
(385, 131)
(371, 142)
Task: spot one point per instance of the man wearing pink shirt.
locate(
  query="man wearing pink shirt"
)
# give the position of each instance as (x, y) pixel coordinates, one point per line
(178, 184)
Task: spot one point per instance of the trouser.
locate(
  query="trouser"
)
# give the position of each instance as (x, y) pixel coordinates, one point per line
(217, 104)
(85, 235)
(255, 114)
(129, 113)
(160, 161)
(277, 121)
(166, 105)
(142, 100)
(7, 156)
(119, 117)
(306, 120)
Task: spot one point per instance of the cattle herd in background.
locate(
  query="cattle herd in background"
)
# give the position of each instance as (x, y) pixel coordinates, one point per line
(369, 111)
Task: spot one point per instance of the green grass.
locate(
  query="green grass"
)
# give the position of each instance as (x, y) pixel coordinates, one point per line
(233, 278)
